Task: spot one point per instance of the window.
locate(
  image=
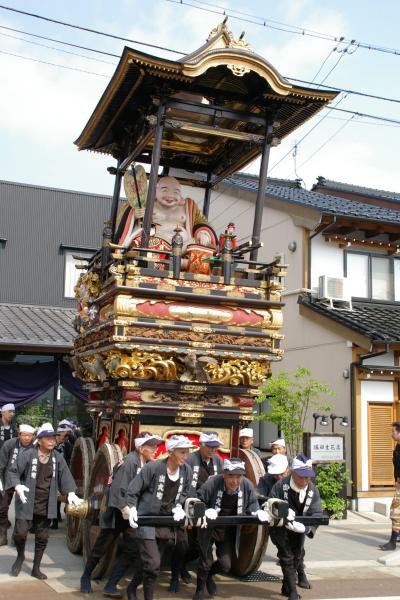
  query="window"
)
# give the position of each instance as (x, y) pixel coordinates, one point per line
(71, 273)
(380, 447)
(372, 276)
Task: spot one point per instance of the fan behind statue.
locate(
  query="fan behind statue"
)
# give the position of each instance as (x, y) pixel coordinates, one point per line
(135, 190)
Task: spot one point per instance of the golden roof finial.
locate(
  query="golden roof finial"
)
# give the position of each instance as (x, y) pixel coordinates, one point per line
(230, 41)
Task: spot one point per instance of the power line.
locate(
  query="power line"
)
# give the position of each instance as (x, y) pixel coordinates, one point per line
(323, 63)
(329, 87)
(294, 29)
(323, 145)
(13, 37)
(306, 134)
(354, 92)
(359, 114)
(110, 35)
(42, 37)
(43, 62)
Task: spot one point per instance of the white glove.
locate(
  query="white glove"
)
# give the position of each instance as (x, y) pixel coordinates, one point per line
(291, 515)
(211, 514)
(74, 499)
(1, 487)
(126, 511)
(295, 526)
(178, 513)
(263, 516)
(133, 517)
(20, 491)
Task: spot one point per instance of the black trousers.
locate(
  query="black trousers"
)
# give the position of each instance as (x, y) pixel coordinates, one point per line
(224, 548)
(151, 552)
(109, 535)
(290, 552)
(22, 527)
(5, 501)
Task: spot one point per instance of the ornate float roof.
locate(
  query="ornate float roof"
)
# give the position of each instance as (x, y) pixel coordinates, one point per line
(217, 101)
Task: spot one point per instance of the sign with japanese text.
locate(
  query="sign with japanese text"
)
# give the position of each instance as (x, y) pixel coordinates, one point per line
(324, 447)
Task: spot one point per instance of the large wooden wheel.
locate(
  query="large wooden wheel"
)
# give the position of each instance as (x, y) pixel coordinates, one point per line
(253, 538)
(80, 466)
(105, 460)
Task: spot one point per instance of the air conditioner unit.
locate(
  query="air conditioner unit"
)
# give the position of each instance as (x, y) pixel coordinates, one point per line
(333, 288)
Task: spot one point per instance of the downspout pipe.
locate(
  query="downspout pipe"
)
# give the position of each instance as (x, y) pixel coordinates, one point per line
(353, 369)
(313, 235)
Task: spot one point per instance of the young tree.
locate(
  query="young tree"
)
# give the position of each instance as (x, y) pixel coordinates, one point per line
(291, 397)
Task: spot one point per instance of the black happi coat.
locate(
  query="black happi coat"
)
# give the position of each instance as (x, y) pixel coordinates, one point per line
(312, 504)
(24, 471)
(265, 484)
(211, 493)
(117, 493)
(147, 489)
(195, 460)
(6, 433)
(8, 455)
(396, 462)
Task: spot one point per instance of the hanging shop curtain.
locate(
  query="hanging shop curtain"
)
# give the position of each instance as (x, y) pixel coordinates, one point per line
(22, 384)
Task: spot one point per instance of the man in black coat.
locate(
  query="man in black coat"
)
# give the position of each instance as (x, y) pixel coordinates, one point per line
(114, 520)
(8, 455)
(161, 488)
(303, 497)
(223, 495)
(37, 475)
(7, 427)
(395, 506)
(205, 463)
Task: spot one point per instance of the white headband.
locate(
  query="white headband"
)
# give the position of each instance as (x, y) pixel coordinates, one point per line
(299, 464)
(279, 442)
(246, 432)
(8, 406)
(146, 439)
(178, 441)
(209, 436)
(26, 428)
(230, 465)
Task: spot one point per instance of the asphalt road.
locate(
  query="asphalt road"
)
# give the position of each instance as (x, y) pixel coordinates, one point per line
(342, 562)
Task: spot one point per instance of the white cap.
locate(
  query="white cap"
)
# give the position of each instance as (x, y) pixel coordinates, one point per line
(65, 422)
(23, 428)
(210, 438)
(9, 406)
(246, 432)
(279, 442)
(178, 441)
(277, 464)
(148, 438)
(45, 430)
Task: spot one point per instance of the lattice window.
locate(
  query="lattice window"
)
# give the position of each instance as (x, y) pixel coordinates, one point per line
(380, 445)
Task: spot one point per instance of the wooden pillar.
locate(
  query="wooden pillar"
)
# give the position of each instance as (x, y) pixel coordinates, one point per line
(116, 194)
(255, 238)
(207, 197)
(155, 163)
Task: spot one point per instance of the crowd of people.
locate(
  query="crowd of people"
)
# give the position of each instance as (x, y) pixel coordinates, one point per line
(190, 485)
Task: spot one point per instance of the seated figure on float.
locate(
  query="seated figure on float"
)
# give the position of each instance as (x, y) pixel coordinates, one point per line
(170, 210)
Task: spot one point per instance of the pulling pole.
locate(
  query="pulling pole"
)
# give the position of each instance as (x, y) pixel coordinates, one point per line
(255, 239)
(155, 163)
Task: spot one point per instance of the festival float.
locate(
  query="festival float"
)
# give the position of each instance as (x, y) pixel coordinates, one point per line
(177, 325)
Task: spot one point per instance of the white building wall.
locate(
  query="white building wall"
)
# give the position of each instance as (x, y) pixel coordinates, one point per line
(371, 391)
(326, 259)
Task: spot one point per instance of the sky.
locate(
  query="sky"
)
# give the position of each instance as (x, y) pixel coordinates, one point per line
(44, 107)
